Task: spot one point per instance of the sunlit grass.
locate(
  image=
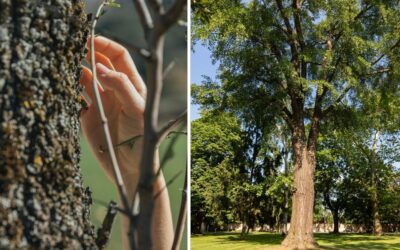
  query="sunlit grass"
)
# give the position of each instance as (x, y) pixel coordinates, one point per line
(232, 241)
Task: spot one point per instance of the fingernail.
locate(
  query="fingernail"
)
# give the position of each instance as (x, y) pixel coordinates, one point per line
(101, 69)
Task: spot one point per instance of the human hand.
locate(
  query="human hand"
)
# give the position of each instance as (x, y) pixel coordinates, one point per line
(123, 95)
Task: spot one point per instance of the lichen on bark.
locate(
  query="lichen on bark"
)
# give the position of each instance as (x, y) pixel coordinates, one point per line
(43, 204)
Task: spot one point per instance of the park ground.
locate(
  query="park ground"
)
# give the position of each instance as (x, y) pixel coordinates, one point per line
(272, 241)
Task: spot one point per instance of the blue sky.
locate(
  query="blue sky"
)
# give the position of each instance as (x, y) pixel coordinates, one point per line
(201, 64)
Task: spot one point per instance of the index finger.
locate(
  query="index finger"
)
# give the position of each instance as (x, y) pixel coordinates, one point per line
(122, 61)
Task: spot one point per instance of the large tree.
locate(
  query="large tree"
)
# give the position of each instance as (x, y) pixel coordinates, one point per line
(43, 204)
(301, 60)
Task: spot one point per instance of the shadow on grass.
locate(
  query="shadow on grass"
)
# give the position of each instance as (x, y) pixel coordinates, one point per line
(326, 241)
(253, 239)
(364, 246)
(357, 241)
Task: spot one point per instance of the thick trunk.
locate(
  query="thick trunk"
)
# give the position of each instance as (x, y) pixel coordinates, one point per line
(374, 193)
(335, 215)
(376, 220)
(43, 204)
(300, 235)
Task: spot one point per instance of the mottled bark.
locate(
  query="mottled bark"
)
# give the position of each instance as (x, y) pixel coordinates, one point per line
(300, 235)
(43, 204)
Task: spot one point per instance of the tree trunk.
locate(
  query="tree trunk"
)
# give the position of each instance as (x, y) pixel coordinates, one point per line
(244, 229)
(374, 193)
(300, 235)
(43, 204)
(286, 198)
(335, 214)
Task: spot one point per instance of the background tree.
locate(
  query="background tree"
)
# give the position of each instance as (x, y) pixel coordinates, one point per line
(215, 141)
(43, 203)
(309, 59)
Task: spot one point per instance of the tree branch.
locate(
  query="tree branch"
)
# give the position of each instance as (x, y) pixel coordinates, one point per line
(383, 55)
(338, 100)
(156, 5)
(168, 69)
(114, 163)
(103, 233)
(172, 15)
(284, 17)
(144, 15)
(297, 22)
(155, 37)
(171, 125)
(180, 226)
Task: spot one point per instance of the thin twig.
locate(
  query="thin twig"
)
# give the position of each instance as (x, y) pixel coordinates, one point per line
(114, 163)
(172, 180)
(172, 15)
(103, 233)
(180, 226)
(168, 69)
(169, 153)
(105, 204)
(182, 23)
(130, 141)
(156, 5)
(171, 125)
(144, 15)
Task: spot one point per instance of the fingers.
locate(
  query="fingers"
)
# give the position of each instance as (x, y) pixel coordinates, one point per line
(86, 81)
(121, 60)
(126, 93)
(101, 59)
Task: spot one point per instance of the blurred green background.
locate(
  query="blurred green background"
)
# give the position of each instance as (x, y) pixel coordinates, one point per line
(122, 23)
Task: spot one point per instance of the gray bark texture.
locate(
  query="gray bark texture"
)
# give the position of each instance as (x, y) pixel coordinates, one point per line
(43, 204)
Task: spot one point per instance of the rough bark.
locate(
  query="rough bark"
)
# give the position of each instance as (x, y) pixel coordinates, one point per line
(300, 235)
(43, 204)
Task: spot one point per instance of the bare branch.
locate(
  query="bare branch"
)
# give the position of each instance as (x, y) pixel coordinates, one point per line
(180, 226)
(172, 15)
(114, 163)
(144, 15)
(103, 233)
(130, 141)
(378, 71)
(156, 5)
(168, 69)
(118, 209)
(169, 153)
(182, 23)
(171, 125)
(155, 37)
(172, 180)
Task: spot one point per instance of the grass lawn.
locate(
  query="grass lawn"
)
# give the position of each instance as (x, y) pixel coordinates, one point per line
(232, 241)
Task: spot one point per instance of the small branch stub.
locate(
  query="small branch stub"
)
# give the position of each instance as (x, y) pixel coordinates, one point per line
(103, 233)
